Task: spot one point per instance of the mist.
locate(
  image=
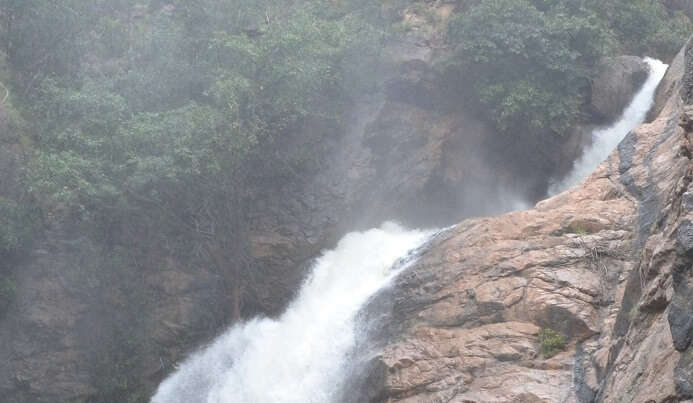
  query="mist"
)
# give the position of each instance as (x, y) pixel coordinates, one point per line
(197, 198)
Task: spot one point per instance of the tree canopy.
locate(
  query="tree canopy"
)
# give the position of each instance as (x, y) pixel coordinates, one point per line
(529, 61)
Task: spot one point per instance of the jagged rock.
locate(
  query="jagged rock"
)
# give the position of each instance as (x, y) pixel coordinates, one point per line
(616, 81)
(606, 264)
(398, 159)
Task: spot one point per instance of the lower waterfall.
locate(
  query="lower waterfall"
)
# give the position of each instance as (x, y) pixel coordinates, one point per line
(605, 140)
(298, 357)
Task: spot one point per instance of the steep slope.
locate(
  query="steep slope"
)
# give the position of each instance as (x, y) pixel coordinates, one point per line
(607, 264)
(112, 317)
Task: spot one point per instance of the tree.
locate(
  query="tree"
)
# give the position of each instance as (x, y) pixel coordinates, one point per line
(529, 64)
(529, 61)
(181, 130)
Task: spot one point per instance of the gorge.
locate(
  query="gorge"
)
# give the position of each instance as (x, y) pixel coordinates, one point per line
(305, 351)
(192, 198)
(302, 352)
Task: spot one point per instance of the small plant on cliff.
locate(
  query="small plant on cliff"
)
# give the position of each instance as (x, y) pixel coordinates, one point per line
(551, 341)
(576, 229)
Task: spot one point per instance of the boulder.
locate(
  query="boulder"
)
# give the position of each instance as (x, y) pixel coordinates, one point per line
(616, 81)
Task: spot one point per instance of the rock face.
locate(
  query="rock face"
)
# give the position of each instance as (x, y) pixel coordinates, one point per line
(616, 81)
(608, 264)
(84, 322)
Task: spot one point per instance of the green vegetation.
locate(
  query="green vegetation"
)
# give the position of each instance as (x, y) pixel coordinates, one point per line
(551, 342)
(155, 124)
(529, 61)
(168, 120)
(576, 229)
(189, 104)
(175, 112)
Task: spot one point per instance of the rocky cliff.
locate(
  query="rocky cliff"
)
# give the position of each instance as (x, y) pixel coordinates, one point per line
(605, 266)
(111, 317)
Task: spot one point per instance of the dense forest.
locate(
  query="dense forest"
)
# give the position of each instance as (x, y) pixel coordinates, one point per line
(173, 115)
(171, 107)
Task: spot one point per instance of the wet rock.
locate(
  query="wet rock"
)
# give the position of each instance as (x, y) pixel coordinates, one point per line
(616, 81)
(681, 320)
(415, 84)
(684, 375)
(607, 264)
(687, 202)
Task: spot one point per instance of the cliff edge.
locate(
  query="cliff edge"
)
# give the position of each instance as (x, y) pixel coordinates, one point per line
(588, 297)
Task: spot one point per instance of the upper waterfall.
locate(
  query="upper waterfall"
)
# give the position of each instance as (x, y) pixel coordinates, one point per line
(605, 140)
(298, 357)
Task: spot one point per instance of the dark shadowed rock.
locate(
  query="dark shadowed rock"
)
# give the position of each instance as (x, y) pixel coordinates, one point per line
(616, 81)
(684, 376)
(681, 319)
(685, 236)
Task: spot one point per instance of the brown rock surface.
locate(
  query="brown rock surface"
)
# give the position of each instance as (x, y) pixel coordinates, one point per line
(607, 264)
(82, 321)
(616, 81)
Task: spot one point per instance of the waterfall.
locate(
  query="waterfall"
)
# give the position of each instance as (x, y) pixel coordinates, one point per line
(298, 358)
(605, 140)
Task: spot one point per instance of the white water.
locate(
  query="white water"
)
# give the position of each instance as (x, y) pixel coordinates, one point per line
(605, 140)
(299, 357)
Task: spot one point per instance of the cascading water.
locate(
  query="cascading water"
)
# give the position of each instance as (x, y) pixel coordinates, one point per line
(298, 358)
(605, 140)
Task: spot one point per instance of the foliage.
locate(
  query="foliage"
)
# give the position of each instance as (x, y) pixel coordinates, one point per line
(551, 342)
(530, 66)
(645, 26)
(529, 61)
(195, 97)
(576, 229)
(174, 118)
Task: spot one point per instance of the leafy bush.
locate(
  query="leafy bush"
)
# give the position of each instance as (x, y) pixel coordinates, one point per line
(551, 342)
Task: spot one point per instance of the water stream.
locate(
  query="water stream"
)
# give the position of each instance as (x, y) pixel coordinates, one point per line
(605, 140)
(298, 358)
